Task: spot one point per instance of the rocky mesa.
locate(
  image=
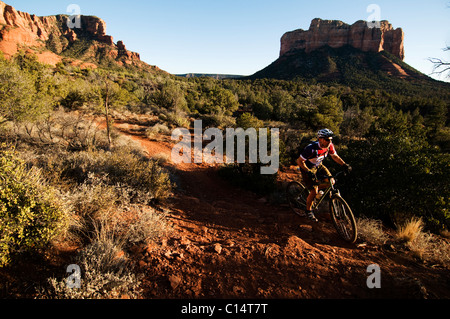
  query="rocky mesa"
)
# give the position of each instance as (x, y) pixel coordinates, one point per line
(51, 38)
(336, 34)
(356, 55)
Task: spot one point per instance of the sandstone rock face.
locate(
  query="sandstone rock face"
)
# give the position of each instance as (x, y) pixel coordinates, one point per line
(124, 52)
(20, 29)
(97, 28)
(336, 34)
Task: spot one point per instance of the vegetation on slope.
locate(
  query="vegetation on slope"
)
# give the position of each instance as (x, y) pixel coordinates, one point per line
(397, 141)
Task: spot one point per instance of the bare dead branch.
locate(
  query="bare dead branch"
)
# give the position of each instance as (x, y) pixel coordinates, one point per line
(440, 66)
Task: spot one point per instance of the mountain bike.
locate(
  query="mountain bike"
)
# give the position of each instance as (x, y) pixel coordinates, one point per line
(340, 211)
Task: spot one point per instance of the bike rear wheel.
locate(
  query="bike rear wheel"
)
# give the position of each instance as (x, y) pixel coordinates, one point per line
(296, 195)
(343, 219)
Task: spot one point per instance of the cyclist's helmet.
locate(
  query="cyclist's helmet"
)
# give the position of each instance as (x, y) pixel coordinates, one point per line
(325, 133)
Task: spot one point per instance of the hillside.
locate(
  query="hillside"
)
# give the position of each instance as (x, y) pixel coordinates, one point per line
(214, 76)
(349, 67)
(226, 242)
(332, 52)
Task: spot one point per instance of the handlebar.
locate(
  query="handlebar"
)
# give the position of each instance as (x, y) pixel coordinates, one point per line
(323, 177)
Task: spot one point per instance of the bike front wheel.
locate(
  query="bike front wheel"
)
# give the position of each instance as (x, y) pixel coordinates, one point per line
(296, 195)
(343, 219)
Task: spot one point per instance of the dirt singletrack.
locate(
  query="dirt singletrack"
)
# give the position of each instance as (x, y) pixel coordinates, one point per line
(227, 242)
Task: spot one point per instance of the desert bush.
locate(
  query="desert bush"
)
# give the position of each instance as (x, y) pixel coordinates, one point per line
(146, 225)
(420, 245)
(122, 166)
(156, 130)
(218, 120)
(20, 100)
(371, 230)
(247, 120)
(174, 118)
(93, 196)
(125, 167)
(171, 96)
(31, 214)
(161, 158)
(101, 207)
(62, 129)
(431, 248)
(105, 274)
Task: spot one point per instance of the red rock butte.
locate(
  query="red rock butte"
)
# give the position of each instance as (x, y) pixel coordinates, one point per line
(21, 30)
(336, 34)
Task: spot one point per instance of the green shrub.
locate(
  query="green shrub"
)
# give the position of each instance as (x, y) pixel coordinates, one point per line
(394, 177)
(174, 118)
(30, 213)
(247, 120)
(148, 177)
(218, 120)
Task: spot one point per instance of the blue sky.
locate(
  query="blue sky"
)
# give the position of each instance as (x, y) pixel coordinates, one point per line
(243, 36)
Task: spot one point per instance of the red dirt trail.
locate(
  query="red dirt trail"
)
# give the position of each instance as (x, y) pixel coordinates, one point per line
(229, 243)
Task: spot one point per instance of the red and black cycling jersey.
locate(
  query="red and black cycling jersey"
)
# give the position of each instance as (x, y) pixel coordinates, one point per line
(313, 154)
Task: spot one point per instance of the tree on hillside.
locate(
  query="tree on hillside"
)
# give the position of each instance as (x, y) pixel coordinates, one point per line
(19, 98)
(356, 122)
(221, 100)
(111, 95)
(171, 97)
(329, 113)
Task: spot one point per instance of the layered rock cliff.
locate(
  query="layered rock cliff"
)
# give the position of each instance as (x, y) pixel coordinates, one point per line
(50, 38)
(337, 34)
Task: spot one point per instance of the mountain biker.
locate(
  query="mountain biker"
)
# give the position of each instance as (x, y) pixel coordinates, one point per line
(310, 164)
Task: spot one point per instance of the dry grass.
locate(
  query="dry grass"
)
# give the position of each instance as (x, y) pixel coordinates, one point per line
(423, 245)
(156, 131)
(427, 247)
(430, 248)
(145, 225)
(371, 230)
(410, 230)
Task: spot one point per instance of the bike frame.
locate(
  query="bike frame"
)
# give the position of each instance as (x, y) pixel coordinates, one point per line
(329, 189)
